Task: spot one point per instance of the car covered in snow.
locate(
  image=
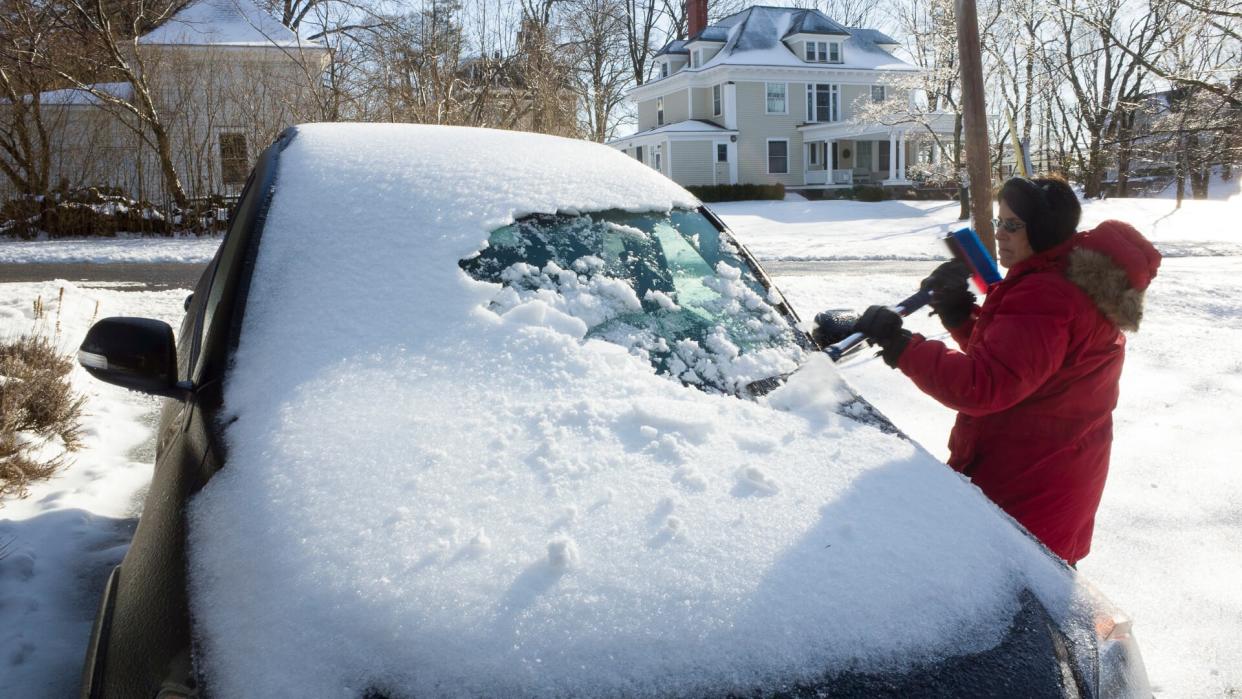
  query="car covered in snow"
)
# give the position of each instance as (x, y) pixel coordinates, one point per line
(460, 412)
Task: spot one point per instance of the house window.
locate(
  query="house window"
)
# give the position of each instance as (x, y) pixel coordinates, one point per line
(815, 154)
(877, 93)
(862, 159)
(658, 164)
(664, 69)
(715, 100)
(234, 164)
(722, 153)
(834, 52)
(817, 51)
(776, 102)
(778, 157)
(659, 111)
(638, 154)
(882, 155)
(823, 102)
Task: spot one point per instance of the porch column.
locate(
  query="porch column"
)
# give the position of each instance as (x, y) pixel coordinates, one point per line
(901, 156)
(892, 156)
(935, 152)
(806, 160)
(829, 177)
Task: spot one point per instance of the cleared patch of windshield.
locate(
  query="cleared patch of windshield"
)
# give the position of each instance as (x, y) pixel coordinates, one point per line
(667, 286)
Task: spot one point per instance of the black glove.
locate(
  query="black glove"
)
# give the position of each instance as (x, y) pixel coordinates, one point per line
(883, 327)
(951, 297)
(832, 326)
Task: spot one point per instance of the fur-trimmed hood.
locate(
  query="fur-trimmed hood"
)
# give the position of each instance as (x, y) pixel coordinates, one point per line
(1114, 264)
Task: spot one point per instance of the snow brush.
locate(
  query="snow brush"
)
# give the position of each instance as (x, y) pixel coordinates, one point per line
(965, 246)
(902, 308)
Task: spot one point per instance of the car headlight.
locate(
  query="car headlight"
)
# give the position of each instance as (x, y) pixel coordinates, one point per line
(1121, 670)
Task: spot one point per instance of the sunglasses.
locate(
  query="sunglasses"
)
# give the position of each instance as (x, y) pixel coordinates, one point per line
(1010, 225)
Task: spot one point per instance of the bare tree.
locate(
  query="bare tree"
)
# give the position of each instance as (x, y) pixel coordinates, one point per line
(602, 66)
(25, 129)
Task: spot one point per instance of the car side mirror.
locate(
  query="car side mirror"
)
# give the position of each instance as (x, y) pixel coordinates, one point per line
(135, 353)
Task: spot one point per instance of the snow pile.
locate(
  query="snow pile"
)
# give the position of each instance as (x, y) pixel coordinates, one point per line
(424, 497)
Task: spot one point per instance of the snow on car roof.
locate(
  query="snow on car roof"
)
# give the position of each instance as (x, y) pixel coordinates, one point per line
(425, 498)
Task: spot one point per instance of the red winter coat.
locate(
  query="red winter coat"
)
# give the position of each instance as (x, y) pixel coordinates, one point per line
(1036, 380)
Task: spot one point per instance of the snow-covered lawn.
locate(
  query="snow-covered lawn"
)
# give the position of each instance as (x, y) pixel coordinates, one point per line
(66, 536)
(910, 230)
(1167, 540)
(131, 249)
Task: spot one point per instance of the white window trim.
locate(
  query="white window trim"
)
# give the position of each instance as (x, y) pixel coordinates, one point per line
(767, 156)
(659, 111)
(765, 98)
(718, 99)
(658, 154)
(834, 108)
(812, 48)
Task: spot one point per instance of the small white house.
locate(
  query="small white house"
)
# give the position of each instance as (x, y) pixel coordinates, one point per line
(773, 94)
(226, 79)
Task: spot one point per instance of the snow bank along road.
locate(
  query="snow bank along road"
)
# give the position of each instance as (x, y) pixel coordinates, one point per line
(1166, 543)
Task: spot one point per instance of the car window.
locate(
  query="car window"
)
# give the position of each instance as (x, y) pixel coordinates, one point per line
(669, 286)
(226, 258)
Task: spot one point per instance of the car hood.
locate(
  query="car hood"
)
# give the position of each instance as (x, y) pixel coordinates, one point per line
(422, 497)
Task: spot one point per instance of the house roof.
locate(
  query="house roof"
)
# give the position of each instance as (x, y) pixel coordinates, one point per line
(225, 23)
(814, 22)
(755, 36)
(688, 126)
(74, 96)
(675, 46)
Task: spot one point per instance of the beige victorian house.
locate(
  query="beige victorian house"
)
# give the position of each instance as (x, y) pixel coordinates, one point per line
(774, 94)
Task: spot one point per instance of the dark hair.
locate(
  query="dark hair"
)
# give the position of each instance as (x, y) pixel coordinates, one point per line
(1047, 206)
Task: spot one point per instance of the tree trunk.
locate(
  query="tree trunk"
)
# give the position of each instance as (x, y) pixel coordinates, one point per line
(974, 117)
(964, 185)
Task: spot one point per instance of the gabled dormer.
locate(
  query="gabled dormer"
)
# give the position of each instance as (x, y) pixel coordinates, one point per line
(704, 46)
(815, 38)
(670, 59)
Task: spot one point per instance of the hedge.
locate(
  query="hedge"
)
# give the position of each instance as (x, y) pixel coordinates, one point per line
(737, 192)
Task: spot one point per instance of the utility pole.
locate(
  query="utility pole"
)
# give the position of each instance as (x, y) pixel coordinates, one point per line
(975, 123)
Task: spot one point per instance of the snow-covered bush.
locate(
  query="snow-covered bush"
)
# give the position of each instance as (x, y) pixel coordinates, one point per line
(39, 412)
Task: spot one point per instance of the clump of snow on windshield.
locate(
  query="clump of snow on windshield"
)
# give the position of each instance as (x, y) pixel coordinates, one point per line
(426, 497)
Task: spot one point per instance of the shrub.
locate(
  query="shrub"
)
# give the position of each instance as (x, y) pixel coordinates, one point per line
(869, 192)
(103, 211)
(737, 192)
(37, 405)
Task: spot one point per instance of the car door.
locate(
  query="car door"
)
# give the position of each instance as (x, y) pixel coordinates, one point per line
(142, 640)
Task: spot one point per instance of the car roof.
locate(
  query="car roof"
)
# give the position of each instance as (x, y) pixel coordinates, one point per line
(425, 497)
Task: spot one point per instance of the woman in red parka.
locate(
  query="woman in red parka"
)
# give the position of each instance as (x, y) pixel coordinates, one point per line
(1036, 379)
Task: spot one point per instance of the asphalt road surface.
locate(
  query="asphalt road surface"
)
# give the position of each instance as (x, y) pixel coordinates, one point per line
(145, 276)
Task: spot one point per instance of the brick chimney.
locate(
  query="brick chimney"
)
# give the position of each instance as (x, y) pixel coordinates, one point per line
(696, 17)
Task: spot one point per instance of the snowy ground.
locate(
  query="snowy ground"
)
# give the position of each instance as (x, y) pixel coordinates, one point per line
(1166, 547)
(64, 539)
(134, 249)
(1167, 544)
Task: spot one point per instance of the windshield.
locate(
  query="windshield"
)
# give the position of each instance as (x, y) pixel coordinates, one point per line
(669, 286)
